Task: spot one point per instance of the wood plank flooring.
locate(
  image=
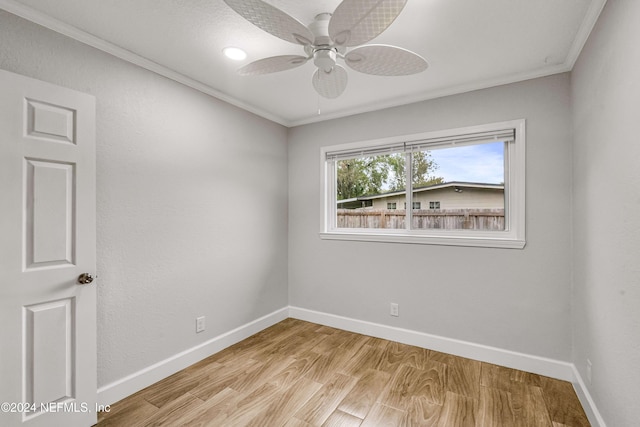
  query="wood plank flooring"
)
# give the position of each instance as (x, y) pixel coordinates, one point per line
(300, 374)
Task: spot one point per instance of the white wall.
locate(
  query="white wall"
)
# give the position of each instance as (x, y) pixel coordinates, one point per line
(175, 168)
(605, 86)
(511, 299)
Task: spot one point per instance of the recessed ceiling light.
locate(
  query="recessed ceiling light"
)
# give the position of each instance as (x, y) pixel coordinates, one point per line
(234, 53)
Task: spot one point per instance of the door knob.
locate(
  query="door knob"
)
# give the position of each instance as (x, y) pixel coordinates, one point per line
(85, 278)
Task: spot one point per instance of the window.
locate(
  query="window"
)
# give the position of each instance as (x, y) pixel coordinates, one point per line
(472, 180)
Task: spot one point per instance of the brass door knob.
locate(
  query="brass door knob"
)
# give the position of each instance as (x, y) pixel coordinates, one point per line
(85, 278)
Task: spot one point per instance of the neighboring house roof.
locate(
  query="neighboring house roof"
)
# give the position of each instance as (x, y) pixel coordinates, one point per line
(454, 184)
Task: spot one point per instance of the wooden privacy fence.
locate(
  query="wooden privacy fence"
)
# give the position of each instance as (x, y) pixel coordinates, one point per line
(447, 219)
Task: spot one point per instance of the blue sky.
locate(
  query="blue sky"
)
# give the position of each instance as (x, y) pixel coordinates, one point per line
(471, 163)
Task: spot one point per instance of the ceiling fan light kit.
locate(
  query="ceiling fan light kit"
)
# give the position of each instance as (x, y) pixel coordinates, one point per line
(331, 37)
(324, 59)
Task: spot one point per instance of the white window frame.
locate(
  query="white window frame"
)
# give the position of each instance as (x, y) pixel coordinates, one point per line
(513, 236)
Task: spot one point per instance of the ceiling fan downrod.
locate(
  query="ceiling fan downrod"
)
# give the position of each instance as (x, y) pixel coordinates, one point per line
(320, 29)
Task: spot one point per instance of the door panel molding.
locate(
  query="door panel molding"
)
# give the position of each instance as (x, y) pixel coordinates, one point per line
(49, 365)
(51, 122)
(49, 221)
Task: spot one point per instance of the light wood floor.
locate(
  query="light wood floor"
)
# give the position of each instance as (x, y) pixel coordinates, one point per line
(298, 374)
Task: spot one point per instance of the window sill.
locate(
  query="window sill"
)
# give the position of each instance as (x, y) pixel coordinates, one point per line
(483, 242)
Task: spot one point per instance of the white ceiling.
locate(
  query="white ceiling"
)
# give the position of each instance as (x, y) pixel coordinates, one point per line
(469, 44)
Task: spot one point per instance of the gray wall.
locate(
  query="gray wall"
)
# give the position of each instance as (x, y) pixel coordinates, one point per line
(175, 171)
(605, 86)
(518, 300)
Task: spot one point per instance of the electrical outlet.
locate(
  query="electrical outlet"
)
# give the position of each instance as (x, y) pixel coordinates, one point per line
(589, 369)
(394, 310)
(199, 324)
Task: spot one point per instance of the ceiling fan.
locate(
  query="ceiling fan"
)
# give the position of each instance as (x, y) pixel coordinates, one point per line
(331, 37)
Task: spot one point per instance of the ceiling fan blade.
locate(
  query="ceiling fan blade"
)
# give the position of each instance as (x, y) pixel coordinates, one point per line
(330, 84)
(272, 65)
(382, 60)
(357, 21)
(272, 20)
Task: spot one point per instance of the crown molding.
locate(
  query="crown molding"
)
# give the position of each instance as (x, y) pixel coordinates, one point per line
(439, 93)
(589, 21)
(70, 31)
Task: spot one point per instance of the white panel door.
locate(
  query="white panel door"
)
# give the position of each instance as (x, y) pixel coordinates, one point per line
(47, 240)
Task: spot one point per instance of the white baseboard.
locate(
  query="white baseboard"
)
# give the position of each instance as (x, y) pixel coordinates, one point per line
(538, 365)
(130, 384)
(511, 359)
(586, 400)
(566, 371)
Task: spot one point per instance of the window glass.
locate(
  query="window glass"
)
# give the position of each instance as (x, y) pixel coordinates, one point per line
(367, 188)
(467, 183)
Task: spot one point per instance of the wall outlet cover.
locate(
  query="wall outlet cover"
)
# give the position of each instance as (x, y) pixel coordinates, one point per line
(200, 325)
(394, 311)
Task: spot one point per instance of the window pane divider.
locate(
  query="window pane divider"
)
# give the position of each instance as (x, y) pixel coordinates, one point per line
(408, 211)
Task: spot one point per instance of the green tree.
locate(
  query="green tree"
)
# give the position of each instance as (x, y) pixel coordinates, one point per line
(357, 177)
(381, 174)
(424, 168)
